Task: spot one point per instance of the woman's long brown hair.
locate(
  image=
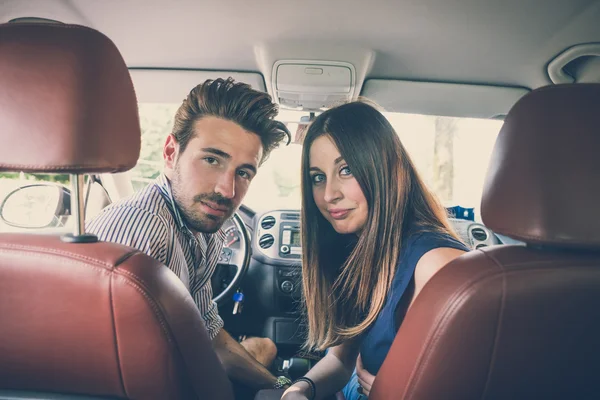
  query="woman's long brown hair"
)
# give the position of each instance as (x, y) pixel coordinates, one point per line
(346, 279)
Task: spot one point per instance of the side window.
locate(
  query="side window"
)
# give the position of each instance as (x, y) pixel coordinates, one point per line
(156, 121)
(33, 209)
(451, 154)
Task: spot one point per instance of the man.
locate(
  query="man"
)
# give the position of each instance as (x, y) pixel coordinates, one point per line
(222, 132)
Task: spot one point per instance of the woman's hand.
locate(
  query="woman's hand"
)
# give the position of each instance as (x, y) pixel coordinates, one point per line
(364, 377)
(294, 393)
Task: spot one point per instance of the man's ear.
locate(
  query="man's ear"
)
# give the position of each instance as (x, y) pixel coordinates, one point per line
(170, 153)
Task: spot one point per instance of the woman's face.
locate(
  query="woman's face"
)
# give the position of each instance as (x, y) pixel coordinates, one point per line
(336, 192)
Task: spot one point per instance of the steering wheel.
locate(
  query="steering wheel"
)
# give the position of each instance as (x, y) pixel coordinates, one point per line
(240, 258)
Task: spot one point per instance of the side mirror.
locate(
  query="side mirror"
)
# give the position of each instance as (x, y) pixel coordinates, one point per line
(37, 206)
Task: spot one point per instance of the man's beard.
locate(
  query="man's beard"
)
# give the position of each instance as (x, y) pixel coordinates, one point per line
(194, 218)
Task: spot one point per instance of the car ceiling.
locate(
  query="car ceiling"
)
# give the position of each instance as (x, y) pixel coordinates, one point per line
(499, 42)
(503, 42)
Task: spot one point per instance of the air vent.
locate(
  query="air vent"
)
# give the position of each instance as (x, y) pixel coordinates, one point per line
(290, 216)
(479, 234)
(266, 241)
(267, 222)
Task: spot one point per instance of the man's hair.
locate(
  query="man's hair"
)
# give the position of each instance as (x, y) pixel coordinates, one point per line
(233, 101)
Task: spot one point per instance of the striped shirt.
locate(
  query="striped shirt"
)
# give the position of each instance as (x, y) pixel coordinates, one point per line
(150, 221)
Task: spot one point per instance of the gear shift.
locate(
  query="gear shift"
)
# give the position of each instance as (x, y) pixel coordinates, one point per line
(296, 367)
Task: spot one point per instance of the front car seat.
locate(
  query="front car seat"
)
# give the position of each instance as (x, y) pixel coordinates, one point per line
(509, 321)
(80, 317)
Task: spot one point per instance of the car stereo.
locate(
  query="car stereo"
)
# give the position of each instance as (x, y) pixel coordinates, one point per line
(290, 240)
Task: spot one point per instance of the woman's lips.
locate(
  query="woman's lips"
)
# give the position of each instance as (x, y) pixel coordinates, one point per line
(339, 213)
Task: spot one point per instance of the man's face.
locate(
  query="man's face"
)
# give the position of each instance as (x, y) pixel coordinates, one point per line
(210, 178)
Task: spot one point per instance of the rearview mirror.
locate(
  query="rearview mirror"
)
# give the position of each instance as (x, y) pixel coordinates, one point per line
(37, 206)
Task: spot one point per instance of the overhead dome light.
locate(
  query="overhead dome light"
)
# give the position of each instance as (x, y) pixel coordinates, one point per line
(312, 85)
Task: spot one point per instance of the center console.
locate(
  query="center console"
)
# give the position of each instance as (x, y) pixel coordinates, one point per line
(278, 235)
(277, 244)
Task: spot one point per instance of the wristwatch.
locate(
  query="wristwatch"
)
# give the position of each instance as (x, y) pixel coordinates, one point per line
(282, 381)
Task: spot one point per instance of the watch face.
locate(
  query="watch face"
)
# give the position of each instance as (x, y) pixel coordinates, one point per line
(281, 382)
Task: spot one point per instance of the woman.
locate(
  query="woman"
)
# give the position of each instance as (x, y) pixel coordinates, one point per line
(372, 235)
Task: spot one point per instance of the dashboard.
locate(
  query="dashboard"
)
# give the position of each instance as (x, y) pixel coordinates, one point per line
(276, 244)
(272, 285)
(232, 237)
(276, 236)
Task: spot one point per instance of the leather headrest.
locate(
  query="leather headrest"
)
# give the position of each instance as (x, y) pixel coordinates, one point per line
(543, 182)
(67, 103)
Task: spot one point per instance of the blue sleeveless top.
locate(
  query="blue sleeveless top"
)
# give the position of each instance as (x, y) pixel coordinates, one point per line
(378, 339)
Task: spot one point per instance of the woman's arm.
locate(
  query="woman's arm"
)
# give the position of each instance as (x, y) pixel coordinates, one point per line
(427, 266)
(330, 374)
(430, 264)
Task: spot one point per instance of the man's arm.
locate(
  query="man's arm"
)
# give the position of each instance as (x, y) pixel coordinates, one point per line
(239, 364)
(134, 227)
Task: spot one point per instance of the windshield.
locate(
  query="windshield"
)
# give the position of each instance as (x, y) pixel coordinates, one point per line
(451, 154)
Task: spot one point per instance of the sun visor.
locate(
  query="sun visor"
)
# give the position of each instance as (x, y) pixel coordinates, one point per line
(443, 99)
(172, 86)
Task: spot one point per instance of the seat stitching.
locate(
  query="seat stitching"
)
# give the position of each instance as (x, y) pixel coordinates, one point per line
(498, 326)
(431, 341)
(126, 275)
(77, 256)
(116, 339)
(453, 302)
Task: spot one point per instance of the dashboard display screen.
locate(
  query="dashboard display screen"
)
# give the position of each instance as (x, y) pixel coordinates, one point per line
(295, 239)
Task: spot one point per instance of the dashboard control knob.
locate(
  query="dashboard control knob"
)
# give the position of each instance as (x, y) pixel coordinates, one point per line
(287, 286)
(285, 249)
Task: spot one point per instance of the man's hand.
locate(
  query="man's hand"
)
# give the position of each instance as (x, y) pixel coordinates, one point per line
(239, 364)
(364, 377)
(262, 349)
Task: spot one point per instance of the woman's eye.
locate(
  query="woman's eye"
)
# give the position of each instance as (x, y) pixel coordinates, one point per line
(318, 178)
(345, 171)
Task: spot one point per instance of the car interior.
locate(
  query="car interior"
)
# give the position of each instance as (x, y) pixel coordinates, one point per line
(508, 91)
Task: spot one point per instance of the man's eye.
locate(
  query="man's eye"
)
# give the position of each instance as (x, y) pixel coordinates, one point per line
(244, 174)
(211, 160)
(345, 171)
(318, 178)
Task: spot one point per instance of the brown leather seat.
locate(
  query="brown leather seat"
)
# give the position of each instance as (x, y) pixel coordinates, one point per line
(518, 322)
(95, 319)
